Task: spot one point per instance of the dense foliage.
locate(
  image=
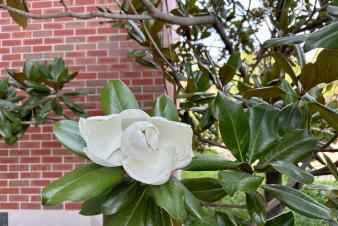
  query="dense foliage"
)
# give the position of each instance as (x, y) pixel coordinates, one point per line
(266, 103)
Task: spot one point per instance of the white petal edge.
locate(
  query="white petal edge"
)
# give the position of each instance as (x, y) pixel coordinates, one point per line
(130, 116)
(156, 170)
(115, 159)
(103, 135)
(178, 134)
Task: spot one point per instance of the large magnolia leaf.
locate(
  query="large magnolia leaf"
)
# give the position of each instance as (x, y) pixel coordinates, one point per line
(116, 97)
(233, 181)
(265, 92)
(176, 199)
(299, 202)
(93, 206)
(20, 5)
(157, 216)
(293, 147)
(293, 172)
(165, 107)
(288, 40)
(293, 117)
(263, 122)
(256, 207)
(207, 163)
(120, 197)
(332, 167)
(284, 219)
(234, 126)
(224, 219)
(226, 73)
(326, 37)
(81, 184)
(205, 189)
(283, 63)
(328, 114)
(67, 132)
(134, 214)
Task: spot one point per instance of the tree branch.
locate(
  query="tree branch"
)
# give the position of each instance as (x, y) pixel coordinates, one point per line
(222, 205)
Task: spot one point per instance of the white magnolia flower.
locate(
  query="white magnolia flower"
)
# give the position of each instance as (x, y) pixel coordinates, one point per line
(148, 148)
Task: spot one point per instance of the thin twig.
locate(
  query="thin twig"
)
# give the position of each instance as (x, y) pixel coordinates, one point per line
(222, 205)
(62, 2)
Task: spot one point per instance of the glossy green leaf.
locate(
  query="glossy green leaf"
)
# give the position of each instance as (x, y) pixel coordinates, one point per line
(325, 37)
(224, 219)
(134, 214)
(293, 147)
(265, 92)
(120, 197)
(157, 216)
(332, 167)
(284, 219)
(93, 206)
(288, 40)
(283, 63)
(263, 122)
(57, 68)
(256, 208)
(116, 97)
(235, 60)
(328, 114)
(233, 181)
(205, 189)
(20, 5)
(137, 53)
(146, 63)
(170, 196)
(293, 172)
(166, 108)
(234, 126)
(292, 117)
(83, 183)
(207, 163)
(226, 74)
(308, 77)
(299, 202)
(193, 206)
(67, 132)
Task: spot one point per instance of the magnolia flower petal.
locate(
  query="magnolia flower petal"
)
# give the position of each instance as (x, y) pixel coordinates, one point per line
(139, 140)
(103, 135)
(114, 160)
(82, 128)
(155, 170)
(130, 116)
(177, 134)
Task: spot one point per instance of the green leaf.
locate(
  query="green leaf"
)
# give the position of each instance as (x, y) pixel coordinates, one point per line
(157, 216)
(325, 37)
(327, 65)
(116, 97)
(288, 40)
(224, 219)
(292, 117)
(256, 207)
(293, 172)
(226, 74)
(67, 132)
(93, 206)
(283, 63)
(137, 53)
(58, 66)
(207, 163)
(328, 114)
(332, 167)
(308, 77)
(170, 196)
(293, 147)
(72, 106)
(265, 92)
(206, 189)
(120, 197)
(146, 63)
(134, 214)
(263, 122)
(299, 202)
(284, 219)
(235, 60)
(234, 126)
(81, 184)
(20, 5)
(193, 206)
(165, 107)
(233, 181)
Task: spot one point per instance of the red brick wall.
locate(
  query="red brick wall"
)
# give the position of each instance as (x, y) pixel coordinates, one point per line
(99, 53)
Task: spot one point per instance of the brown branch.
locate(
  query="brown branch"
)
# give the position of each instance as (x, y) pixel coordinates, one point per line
(210, 142)
(62, 2)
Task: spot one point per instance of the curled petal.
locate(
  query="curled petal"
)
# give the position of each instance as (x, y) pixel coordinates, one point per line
(139, 140)
(115, 159)
(130, 116)
(156, 169)
(103, 136)
(176, 134)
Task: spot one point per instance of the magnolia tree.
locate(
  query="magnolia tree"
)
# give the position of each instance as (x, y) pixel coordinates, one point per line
(265, 103)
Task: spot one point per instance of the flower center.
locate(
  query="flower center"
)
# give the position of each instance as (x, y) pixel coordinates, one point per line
(139, 139)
